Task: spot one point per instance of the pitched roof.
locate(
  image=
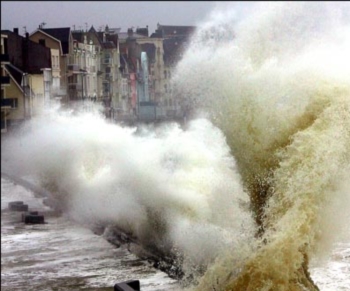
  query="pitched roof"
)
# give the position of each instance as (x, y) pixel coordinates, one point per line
(174, 30)
(78, 36)
(125, 35)
(62, 34)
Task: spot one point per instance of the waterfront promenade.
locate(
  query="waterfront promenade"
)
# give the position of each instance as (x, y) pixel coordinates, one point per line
(62, 255)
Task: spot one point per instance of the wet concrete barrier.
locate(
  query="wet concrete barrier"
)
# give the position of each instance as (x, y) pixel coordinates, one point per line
(32, 217)
(17, 206)
(132, 285)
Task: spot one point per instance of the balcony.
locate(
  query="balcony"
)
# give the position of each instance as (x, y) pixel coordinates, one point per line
(73, 68)
(73, 86)
(5, 80)
(5, 59)
(107, 61)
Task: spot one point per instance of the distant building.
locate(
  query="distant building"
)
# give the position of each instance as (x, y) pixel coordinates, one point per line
(6, 105)
(110, 74)
(169, 31)
(174, 39)
(60, 41)
(29, 72)
(82, 73)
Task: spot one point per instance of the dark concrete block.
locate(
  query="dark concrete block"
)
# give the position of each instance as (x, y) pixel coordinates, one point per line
(18, 206)
(34, 219)
(132, 285)
(29, 213)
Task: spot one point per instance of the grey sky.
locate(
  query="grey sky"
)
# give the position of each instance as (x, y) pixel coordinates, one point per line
(122, 14)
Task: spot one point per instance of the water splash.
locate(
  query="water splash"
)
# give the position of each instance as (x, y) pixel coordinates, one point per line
(175, 190)
(278, 85)
(276, 88)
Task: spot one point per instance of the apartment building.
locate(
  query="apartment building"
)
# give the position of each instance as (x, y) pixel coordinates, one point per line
(60, 41)
(5, 83)
(105, 66)
(82, 72)
(110, 70)
(174, 40)
(29, 74)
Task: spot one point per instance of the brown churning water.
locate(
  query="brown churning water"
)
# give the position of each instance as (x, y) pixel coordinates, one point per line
(278, 85)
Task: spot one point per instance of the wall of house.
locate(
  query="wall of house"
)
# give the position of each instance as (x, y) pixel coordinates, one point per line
(56, 71)
(16, 115)
(49, 42)
(38, 101)
(63, 60)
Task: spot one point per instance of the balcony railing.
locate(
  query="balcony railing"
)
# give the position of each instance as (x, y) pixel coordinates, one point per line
(107, 61)
(73, 68)
(72, 86)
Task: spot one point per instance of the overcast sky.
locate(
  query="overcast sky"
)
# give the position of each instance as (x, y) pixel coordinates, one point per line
(123, 14)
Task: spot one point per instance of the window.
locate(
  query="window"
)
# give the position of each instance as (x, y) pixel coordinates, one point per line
(106, 87)
(14, 103)
(165, 74)
(166, 88)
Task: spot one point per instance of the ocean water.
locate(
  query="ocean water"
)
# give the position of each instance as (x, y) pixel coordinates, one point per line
(254, 192)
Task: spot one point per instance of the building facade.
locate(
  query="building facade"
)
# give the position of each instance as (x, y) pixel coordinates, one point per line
(5, 83)
(60, 41)
(29, 71)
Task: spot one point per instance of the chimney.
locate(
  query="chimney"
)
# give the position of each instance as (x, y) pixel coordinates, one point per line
(130, 32)
(27, 35)
(15, 30)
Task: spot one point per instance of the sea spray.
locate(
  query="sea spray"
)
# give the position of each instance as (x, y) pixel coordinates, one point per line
(177, 191)
(279, 89)
(276, 90)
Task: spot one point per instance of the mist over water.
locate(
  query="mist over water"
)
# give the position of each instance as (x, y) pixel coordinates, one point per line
(251, 188)
(175, 190)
